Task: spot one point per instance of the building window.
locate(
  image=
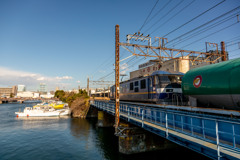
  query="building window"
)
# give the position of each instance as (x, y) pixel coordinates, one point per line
(143, 84)
(131, 86)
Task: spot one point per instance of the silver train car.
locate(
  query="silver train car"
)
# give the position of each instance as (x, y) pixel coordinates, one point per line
(160, 87)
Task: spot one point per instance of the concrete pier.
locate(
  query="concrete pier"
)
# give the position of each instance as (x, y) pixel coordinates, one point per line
(105, 119)
(136, 140)
(92, 112)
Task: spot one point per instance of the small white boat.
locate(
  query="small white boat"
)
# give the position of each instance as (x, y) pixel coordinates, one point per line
(42, 112)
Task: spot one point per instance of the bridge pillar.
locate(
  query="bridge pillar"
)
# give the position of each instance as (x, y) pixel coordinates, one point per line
(105, 119)
(92, 112)
(136, 140)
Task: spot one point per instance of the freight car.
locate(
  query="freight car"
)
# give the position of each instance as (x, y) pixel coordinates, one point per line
(212, 86)
(160, 87)
(216, 85)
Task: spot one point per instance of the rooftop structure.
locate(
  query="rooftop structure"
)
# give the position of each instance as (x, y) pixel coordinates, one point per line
(21, 88)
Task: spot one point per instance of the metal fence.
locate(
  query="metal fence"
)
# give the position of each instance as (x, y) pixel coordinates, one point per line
(222, 131)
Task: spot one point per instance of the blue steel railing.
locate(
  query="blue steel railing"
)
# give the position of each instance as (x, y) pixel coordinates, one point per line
(222, 131)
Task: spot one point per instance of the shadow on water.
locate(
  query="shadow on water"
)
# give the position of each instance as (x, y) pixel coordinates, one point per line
(106, 144)
(80, 127)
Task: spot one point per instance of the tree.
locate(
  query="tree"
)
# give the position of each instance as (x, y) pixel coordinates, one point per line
(59, 94)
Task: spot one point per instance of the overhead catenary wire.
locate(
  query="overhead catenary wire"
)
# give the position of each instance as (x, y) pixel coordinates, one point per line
(215, 19)
(167, 13)
(234, 38)
(234, 50)
(211, 34)
(201, 14)
(154, 42)
(234, 55)
(204, 37)
(134, 60)
(165, 22)
(148, 15)
(233, 44)
(159, 11)
(183, 39)
(233, 41)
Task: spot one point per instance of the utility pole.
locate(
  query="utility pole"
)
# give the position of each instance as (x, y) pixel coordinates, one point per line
(224, 58)
(116, 77)
(104, 93)
(88, 86)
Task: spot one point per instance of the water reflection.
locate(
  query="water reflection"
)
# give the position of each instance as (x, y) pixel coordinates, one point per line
(80, 127)
(42, 122)
(107, 142)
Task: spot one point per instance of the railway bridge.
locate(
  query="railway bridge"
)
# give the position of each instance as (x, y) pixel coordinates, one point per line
(214, 133)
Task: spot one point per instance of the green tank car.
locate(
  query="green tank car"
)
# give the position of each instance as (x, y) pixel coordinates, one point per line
(215, 85)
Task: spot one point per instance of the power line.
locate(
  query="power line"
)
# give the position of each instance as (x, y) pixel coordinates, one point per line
(234, 50)
(173, 16)
(233, 38)
(148, 15)
(170, 10)
(211, 34)
(201, 31)
(233, 44)
(194, 18)
(233, 41)
(205, 24)
(161, 9)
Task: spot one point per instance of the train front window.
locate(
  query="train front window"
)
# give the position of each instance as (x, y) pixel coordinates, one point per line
(165, 80)
(170, 79)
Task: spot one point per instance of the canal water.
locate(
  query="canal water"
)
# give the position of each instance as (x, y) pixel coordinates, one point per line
(67, 139)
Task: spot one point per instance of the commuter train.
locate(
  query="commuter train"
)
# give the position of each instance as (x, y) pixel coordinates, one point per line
(212, 86)
(160, 87)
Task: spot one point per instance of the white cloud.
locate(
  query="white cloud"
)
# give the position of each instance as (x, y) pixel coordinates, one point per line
(10, 77)
(64, 77)
(78, 81)
(40, 78)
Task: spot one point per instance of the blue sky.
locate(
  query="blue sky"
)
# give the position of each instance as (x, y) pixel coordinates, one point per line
(62, 42)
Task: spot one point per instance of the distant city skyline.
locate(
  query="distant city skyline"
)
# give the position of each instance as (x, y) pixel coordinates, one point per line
(61, 43)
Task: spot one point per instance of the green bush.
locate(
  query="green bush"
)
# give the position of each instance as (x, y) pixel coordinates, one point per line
(70, 97)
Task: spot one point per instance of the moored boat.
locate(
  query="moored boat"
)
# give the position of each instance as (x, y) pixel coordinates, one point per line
(57, 106)
(42, 112)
